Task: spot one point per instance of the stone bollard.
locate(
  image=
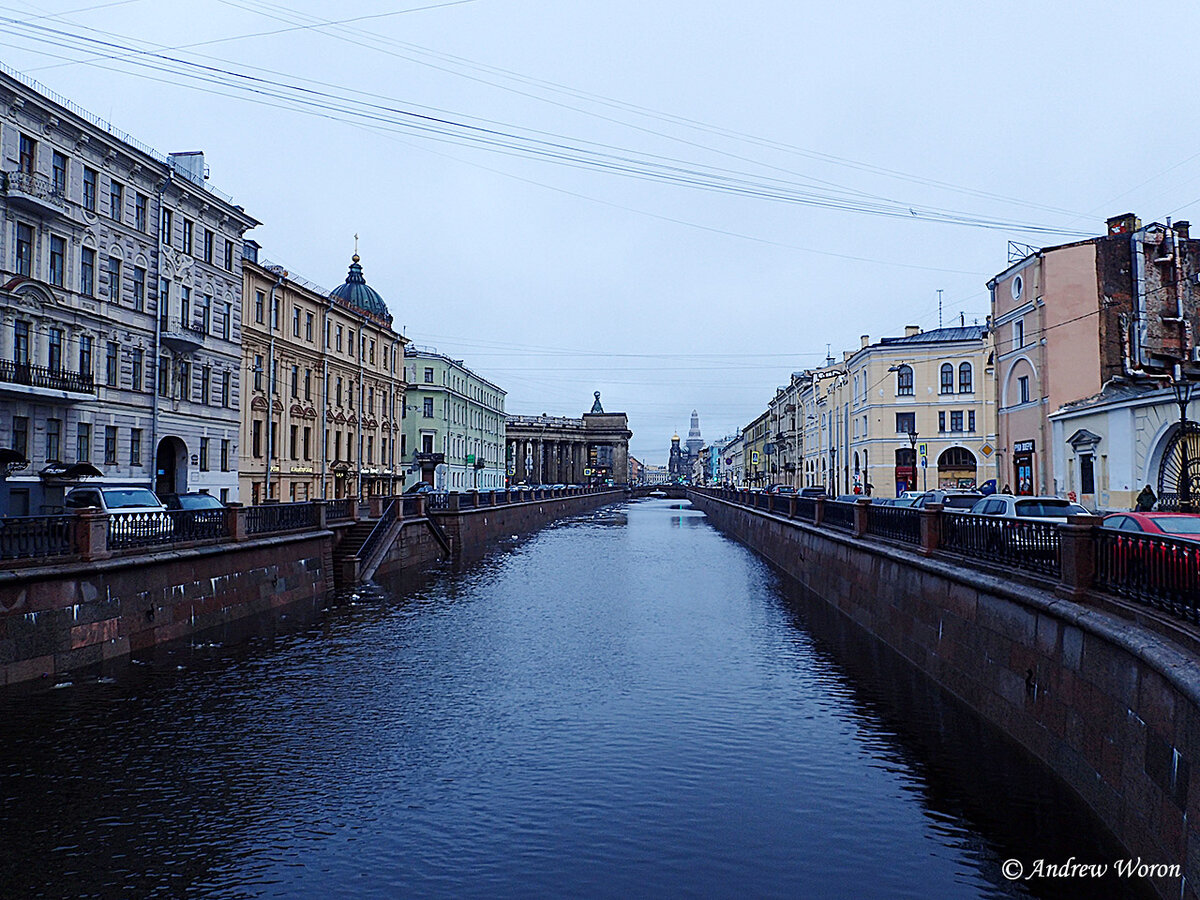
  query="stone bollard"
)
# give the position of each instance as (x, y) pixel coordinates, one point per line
(354, 507)
(931, 528)
(91, 534)
(322, 514)
(819, 512)
(235, 521)
(1077, 551)
(376, 506)
(862, 516)
(420, 506)
(452, 501)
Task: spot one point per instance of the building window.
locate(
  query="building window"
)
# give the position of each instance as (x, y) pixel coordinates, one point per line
(54, 359)
(139, 288)
(956, 420)
(188, 229)
(112, 363)
(371, 358)
(339, 339)
(429, 374)
(168, 226)
(370, 449)
(260, 302)
(208, 246)
(941, 421)
(185, 306)
(138, 359)
(295, 321)
(904, 381)
(85, 355)
(274, 316)
(308, 327)
(89, 189)
(258, 371)
(307, 442)
(226, 393)
(110, 445)
(350, 343)
(256, 438)
(164, 376)
(224, 455)
(308, 384)
(228, 256)
(58, 258)
(203, 454)
(140, 203)
(20, 435)
(970, 420)
(116, 200)
(428, 408)
(205, 385)
(185, 380)
(295, 382)
(947, 379)
(206, 314)
(24, 260)
(58, 174)
(338, 386)
(1087, 475)
(275, 377)
(54, 440)
(135, 446)
(965, 381)
(1023, 388)
(294, 441)
(27, 155)
(83, 442)
(114, 279)
(87, 272)
(164, 304)
(370, 407)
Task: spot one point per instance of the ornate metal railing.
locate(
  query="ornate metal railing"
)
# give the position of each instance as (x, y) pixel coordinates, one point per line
(33, 537)
(139, 529)
(40, 376)
(1022, 543)
(895, 523)
(337, 510)
(436, 502)
(468, 500)
(379, 531)
(36, 185)
(412, 506)
(199, 524)
(839, 515)
(1162, 572)
(280, 517)
(806, 508)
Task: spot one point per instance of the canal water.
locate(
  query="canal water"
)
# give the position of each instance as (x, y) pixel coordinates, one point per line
(626, 704)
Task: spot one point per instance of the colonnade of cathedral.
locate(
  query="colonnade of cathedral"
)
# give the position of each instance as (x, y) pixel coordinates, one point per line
(548, 461)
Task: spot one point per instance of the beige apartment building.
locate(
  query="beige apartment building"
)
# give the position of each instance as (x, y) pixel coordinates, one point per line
(323, 389)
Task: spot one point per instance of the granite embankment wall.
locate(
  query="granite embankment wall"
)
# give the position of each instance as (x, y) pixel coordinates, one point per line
(1109, 706)
(75, 616)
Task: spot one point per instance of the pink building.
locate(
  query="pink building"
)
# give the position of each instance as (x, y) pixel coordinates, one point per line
(1069, 319)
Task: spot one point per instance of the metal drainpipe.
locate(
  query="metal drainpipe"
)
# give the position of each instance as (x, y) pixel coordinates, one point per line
(162, 190)
(271, 384)
(325, 401)
(362, 393)
(392, 418)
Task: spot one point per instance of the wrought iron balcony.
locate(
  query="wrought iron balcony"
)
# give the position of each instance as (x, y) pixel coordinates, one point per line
(33, 191)
(183, 337)
(41, 381)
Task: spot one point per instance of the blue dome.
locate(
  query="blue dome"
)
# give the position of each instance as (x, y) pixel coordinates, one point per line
(357, 293)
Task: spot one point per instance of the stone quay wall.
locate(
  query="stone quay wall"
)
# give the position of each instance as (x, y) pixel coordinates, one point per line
(1111, 707)
(75, 616)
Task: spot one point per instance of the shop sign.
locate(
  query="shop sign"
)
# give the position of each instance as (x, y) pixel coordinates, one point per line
(1023, 447)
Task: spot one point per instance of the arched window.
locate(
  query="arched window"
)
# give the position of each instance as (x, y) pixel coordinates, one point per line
(904, 381)
(965, 383)
(947, 382)
(956, 458)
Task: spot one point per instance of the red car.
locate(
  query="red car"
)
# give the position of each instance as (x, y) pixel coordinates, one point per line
(1184, 525)
(1152, 556)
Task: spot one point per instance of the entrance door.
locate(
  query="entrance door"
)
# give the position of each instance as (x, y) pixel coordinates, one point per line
(170, 465)
(1023, 469)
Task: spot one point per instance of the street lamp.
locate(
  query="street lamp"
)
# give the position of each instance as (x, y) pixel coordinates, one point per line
(912, 442)
(1182, 389)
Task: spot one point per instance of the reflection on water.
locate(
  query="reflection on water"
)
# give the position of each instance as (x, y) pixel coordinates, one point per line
(626, 704)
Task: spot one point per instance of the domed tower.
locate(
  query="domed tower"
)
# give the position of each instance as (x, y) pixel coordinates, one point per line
(695, 443)
(355, 292)
(675, 467)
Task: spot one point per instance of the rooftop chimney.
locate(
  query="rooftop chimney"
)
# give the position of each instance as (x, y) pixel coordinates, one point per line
(1126, 223)
(910, 330)
(190, 164)
(866, 341)
(1181, 228)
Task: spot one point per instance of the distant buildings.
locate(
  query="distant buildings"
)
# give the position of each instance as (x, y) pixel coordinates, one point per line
(593, 449)
(682, 458)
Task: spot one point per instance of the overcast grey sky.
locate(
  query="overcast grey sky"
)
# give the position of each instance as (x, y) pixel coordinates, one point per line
(796, 165)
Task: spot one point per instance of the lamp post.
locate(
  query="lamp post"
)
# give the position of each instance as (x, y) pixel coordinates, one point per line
(1182, 389)
(912, 442)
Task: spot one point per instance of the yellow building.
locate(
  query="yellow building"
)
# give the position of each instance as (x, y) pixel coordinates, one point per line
(323, 391)
(757, 465)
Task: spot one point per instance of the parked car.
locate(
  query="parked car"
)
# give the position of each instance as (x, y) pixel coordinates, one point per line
(850, 498)
(1045, 509)
(952, 501)
(191, 500)
(903, 500)
(421, 487)
(1168, 524)
(816, 490)
(132, 508)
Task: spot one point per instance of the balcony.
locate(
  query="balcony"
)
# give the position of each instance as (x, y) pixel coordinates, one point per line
(33, 192)
(183, 337)
(23, 380)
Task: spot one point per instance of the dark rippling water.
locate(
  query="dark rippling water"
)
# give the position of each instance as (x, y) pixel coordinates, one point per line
(624, 705)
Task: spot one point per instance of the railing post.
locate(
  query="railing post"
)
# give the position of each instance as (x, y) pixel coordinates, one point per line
(322, 514)
(421, 506)
(1077, 550)
(236, 522)
(862, 515)
(931, 528)
(792, 507)
(452, 502)
(352, 508)
(375, 504)
(91, 534)
(819, 512)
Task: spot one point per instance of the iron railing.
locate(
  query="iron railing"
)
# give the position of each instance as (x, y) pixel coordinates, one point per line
(1022, 543)
(34, 184)
(839, 515)
(280, 517)
(1162, 572)
(42, 377)
(412, 506)
(806, 508)
(33, 537)
(379, 531)
(437, 502)
(337, 510)
(896, 523)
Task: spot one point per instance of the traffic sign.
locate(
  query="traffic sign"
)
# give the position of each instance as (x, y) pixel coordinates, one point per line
(923, 449)
(987, 450)
(924, 462)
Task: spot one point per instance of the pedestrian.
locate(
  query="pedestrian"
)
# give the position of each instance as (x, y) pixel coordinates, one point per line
(870, 487)
(1007, 490)
(1145, 500)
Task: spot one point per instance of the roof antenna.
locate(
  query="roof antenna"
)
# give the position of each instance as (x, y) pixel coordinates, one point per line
(962, 318)
(939, 307)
